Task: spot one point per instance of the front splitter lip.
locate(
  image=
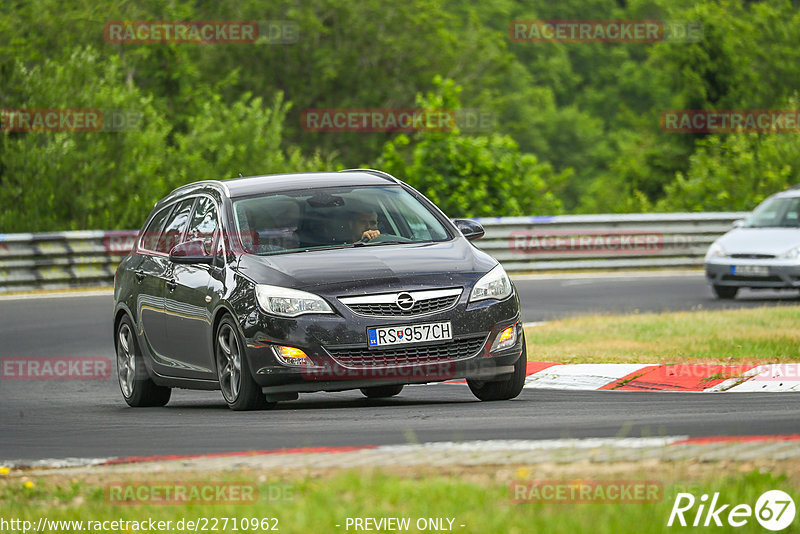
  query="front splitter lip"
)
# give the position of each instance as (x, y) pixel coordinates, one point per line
(338, 378)
(490, 372)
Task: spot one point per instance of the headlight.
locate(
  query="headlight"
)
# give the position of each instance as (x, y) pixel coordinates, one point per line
(791, 254)
(715, 251)
(493, 285)
(289, 302)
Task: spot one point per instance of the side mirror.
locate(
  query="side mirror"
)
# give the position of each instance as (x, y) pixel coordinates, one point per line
(191, 252)
(472, 230)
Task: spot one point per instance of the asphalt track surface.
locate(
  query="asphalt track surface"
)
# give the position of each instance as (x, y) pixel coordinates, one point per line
(89, 419)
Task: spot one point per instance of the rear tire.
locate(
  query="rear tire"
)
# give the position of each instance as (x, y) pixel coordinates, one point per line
(381, 392)
(506, 389)
(137, 388)
(239, 389)
(725, 292)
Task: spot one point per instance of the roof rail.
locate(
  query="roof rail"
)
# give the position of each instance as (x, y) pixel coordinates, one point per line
(215, 183)
(376, 172)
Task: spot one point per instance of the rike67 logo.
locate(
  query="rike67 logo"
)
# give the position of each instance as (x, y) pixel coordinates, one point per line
(774, 510)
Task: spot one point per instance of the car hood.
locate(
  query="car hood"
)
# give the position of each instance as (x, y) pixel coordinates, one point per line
(376, 268)
(773, 241)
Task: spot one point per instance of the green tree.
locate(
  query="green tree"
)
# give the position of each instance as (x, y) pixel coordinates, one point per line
(79, 180)
(734, 172)
(111, 179)
(472, 176)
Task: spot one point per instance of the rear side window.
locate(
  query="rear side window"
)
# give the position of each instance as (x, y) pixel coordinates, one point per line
(149, 240)
(176, 226)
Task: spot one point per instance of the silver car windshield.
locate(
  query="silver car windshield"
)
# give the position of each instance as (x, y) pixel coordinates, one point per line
(778, 212)
(340, 217)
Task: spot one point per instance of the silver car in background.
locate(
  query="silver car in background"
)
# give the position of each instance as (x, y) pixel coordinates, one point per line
(762, 251)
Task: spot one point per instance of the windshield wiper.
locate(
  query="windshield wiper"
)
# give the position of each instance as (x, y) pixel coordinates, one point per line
(307, 249)
(376, 243)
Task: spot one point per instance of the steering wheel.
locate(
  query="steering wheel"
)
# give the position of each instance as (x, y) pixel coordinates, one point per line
(388, 237)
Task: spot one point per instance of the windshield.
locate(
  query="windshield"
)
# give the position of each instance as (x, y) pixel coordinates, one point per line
(776, 212)
(295, 221)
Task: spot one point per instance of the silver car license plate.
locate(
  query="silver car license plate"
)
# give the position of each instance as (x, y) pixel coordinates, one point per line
(406, 334)
(751, 270)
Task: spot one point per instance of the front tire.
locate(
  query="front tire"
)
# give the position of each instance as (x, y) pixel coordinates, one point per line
(725, 292)
(137, 388)
(382, 392)
(239, 389)
(506, 389)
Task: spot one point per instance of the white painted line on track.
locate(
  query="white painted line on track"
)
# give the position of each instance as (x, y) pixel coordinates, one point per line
(466, 453)
(771, 378)
(581, 376)
(534, 324)
(55, 463)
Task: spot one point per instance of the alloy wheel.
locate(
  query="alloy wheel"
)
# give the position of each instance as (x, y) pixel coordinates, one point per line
(229, 363)
(126, 360)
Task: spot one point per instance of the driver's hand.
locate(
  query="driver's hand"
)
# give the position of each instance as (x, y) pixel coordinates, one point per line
(370, 234)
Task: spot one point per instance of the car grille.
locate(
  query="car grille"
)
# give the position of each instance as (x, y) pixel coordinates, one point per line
(411, 355)
(752, 256)
(391, 310)
(385, 304)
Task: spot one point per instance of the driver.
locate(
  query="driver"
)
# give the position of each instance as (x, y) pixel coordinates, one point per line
(363, 224)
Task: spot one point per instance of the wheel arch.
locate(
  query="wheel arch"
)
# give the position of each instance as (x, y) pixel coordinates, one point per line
(223, 309)
(121, 312)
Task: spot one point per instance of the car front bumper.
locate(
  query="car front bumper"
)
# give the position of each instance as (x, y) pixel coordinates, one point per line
(329, 340)
(781, 274)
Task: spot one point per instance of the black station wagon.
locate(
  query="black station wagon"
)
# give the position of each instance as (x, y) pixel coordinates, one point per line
(270, 286)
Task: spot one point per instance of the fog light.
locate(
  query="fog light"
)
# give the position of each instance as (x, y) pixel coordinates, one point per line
(291, 355)
(507, 338)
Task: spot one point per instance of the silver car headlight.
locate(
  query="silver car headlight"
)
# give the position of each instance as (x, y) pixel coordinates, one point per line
(493, 285)
(715, 251)
(791, 254)
(289, 302)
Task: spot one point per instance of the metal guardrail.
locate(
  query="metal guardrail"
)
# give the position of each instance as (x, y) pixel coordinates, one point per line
(563, 242)
(626, 241)
(61, 260)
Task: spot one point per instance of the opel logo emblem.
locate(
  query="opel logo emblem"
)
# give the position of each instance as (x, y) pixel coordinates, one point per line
(404, 301)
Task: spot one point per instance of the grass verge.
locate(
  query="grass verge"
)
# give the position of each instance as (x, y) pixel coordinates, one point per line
(481, 500)
(754, 335)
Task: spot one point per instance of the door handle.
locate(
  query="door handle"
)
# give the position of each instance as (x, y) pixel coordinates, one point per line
(140, 275)
(171, 285)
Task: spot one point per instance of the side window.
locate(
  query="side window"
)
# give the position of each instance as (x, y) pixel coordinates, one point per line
(204, 223)
(149, 239)
(792, 217)
(173, 231)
